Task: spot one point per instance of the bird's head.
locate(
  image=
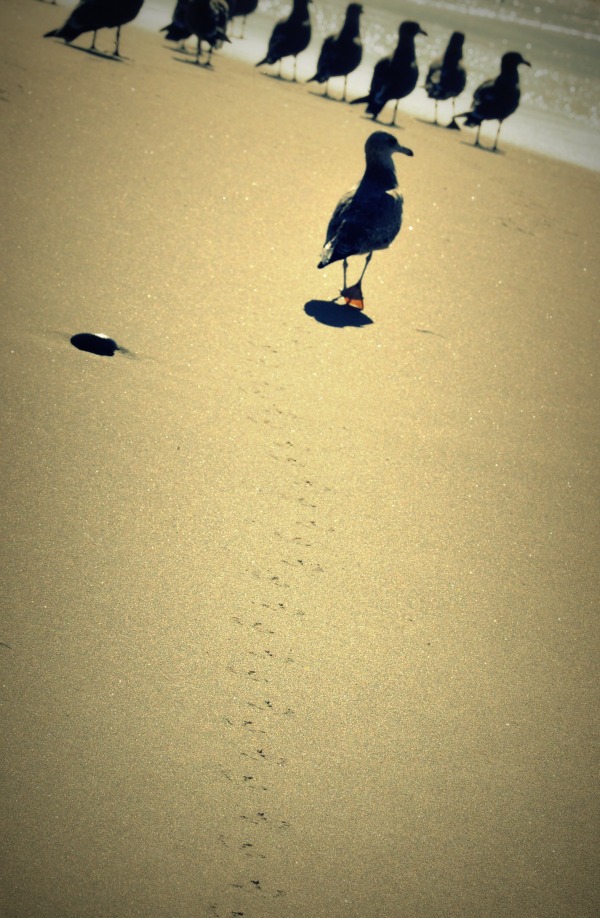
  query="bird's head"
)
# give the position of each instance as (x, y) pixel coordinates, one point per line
(457, 40)
(354, 10)
(410, 29)
(512, 59)
(382, 144)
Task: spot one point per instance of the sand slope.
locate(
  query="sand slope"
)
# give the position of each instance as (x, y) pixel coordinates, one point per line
(299, 614)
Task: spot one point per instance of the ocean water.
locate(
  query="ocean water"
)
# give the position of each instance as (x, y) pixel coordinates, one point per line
(559, 113)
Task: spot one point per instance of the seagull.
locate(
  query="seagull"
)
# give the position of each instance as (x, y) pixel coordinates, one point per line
(341, 53)
(395, 76)
(178, 29)
(243, 8)
(207, 19)
(496, 99)
(369, 216)
(289, 36)
(447, 76)
(92, 15)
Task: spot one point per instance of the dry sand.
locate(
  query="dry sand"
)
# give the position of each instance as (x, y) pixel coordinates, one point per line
(298, 616)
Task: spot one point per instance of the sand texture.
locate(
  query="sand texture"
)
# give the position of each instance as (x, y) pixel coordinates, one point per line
(299, 604)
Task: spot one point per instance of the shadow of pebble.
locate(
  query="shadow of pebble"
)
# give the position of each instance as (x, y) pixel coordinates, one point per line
(335, 315)
(101, 345)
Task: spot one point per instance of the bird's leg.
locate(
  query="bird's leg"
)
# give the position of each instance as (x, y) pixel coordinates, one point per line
(393, 121)
(326, 93)
(294, 80)
(198, 52)
(243, 32)
(495, 147)
(345, 270)
(435, 120)
(210, 51)
(117, 37)
(477, 144)
(345, 86)
(453, 126)
(354, 295)
(93, 44)
(367, 260)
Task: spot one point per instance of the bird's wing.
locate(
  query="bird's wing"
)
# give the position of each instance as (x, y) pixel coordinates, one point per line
(484, 95)
(363, 223)
(434, 75)
(327, 55)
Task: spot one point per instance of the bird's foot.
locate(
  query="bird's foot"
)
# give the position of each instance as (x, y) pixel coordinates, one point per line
(353, 296)
(453, 126)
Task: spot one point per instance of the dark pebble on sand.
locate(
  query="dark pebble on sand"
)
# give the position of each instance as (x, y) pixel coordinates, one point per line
(95, 344)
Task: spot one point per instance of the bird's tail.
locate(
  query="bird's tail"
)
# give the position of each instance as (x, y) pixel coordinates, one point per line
(472, 119)
(314, 79)
(64, 32)
(360, 101)
(265, 60)
(175, 33)
(326, 255)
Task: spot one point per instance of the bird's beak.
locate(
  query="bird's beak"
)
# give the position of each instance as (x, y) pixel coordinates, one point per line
(527, 64)
(421, 32)
(400, 149)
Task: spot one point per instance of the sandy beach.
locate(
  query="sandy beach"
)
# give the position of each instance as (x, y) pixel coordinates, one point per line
(299, 603)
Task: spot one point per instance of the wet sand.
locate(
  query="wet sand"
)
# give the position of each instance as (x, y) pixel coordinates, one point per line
(300, 605)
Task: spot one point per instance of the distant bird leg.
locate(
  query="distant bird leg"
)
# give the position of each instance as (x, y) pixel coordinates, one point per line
(477, 144)
(294, 80)
(495, 147)
(393, 121)
(435, 117)
(117, 37)
(454, 125)
(345, 86)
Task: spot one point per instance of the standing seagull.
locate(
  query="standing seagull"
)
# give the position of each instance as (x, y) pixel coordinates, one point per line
(207, 19)
(290, 36)
(447, 76)
(341, 53)
(496, 99)
(369, 216)
(92, 15)
(395, 76)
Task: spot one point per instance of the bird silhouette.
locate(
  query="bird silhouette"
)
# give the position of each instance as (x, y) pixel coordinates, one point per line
(396, 75)
(290, 36)
(495, 100)
(92, 15)
(369, 216)
(207, 19)
(447, 76)
(341, 53)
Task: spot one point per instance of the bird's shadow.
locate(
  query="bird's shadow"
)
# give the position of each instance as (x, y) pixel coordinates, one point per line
(103, 55)
(201, 66)
(328, 312)
(326, 98)
(483, 148)
(389, 125)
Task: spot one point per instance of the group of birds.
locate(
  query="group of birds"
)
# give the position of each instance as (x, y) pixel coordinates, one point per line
(394, 76)
(368, 217)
